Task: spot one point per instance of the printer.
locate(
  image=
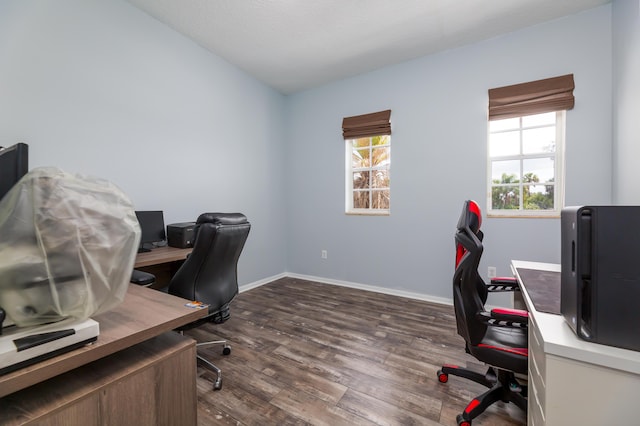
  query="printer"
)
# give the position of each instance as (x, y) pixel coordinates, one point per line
(181, 235)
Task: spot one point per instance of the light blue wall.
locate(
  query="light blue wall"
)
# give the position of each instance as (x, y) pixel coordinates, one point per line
(439, 129)
(626, 93)
(99, 87)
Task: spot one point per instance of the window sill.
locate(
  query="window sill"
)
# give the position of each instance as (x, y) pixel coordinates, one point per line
(369, 213)
(552, 215)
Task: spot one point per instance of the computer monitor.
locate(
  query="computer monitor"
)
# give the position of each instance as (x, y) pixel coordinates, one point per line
(14, 163)
(152, 229)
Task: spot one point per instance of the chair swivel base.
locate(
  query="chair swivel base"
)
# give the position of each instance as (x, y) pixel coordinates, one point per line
(226, 350)
(503, 386)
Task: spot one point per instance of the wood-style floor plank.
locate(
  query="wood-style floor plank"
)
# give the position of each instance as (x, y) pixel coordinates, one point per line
(307, 353)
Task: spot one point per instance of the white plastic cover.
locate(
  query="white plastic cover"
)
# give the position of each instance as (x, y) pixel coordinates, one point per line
(67, 247)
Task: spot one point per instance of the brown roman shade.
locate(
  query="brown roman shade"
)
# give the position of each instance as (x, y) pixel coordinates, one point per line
(362, 126)
(535, 97)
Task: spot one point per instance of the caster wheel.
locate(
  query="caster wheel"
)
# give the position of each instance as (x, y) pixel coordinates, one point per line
(442, 377)
(226, 350)
(462, 422)
(217, 385)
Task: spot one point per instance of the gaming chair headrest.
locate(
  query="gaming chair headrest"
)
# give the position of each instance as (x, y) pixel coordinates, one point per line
(471, 217)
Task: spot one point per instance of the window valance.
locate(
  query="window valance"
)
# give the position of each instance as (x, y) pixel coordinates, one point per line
(367, 125)
(535, 97)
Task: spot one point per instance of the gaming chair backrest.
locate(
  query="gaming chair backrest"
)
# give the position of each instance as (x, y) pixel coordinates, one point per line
(210, 273)
(469, 290)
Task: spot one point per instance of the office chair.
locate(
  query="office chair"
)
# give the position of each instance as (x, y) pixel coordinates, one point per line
(210, 273)
(497, 338)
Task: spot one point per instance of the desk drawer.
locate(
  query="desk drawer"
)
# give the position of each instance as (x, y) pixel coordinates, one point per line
(537, 359)
(535, 415)
(536, 383)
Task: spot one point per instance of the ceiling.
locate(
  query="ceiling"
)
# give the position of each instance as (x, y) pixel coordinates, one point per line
(294, 45)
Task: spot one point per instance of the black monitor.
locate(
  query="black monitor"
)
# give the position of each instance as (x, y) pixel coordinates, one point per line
(14, 163)
(152, 229)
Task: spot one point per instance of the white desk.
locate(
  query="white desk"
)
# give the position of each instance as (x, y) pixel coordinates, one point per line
(572, 381)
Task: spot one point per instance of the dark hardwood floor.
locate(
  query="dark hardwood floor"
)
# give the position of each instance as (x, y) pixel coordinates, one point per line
(311, 353)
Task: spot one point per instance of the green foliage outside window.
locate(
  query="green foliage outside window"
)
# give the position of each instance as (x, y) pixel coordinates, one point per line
(505, 193)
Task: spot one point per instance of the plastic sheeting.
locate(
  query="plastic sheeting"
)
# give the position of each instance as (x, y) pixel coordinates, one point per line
(67, 247)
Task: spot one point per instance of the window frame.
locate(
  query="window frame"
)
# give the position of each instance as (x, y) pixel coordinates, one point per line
(349, 170)
(559, 178)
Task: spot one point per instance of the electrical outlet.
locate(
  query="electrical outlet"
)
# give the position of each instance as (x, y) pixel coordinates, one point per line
(323, 254)
(491, 272)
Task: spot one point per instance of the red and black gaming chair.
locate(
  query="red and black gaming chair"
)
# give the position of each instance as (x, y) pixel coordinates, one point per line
(497, 338)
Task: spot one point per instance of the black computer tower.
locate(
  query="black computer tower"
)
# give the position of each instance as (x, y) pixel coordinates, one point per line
(600, 279)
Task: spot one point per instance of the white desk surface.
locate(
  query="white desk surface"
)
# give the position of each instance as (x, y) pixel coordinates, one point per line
(559, 339)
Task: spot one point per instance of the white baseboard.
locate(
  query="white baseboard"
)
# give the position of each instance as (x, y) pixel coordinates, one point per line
(249, 286)
(366, 287)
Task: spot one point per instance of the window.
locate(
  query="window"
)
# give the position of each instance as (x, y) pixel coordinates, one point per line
(525, 165)
(526, 147)
(367, 163)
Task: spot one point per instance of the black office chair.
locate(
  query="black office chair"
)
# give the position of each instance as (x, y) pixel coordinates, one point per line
(210, 273)
(497, 338)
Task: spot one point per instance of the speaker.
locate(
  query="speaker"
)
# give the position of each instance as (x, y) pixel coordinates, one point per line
(181, 235)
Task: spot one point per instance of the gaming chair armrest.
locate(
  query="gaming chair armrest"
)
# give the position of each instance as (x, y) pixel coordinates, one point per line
(505, 317)
(503, 284)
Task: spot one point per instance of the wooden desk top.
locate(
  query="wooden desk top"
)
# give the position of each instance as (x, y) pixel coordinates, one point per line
(161, 255)
(144, 313)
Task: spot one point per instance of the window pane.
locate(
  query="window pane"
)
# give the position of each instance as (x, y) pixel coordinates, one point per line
(524, 153)
(380, 156)
(380, 199)
(537, 197)
(506, 143)
(505, 198)
(380, 140)
(380, 179)
(360, 158)
(368, 170)
(361, 180)
(505, 171)
(506, 124)
(539, 119)
(360, 199)
(538, 170)
(535, 141)
(360, 143)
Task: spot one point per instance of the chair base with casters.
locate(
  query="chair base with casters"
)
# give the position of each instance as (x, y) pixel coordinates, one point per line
(226, 350)
(503, 386)
(217, 318)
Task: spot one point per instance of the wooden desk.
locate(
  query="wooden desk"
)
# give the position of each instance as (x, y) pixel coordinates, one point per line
(132, 374)
(143, 314)
(149, 384)
(572, 381)
(162, 262)
(161, 255)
